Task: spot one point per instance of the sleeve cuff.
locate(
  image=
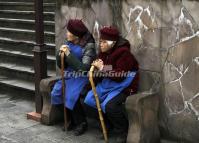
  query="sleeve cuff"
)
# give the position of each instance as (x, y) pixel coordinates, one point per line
(101, 68)
(67, 53)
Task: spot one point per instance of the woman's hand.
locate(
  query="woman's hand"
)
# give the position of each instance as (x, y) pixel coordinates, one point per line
(99, 64)
(65, 49)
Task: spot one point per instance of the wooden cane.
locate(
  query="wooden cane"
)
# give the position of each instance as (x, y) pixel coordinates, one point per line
(63, 90)
(98, 104)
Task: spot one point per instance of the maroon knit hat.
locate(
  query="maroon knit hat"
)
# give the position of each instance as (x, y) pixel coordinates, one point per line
(76, 27)
(109, 33)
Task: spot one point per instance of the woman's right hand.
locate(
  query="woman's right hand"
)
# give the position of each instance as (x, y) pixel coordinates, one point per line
(65, 49)
(99, 64)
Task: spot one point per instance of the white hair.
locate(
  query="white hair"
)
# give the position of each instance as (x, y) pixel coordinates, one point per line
(111, 43)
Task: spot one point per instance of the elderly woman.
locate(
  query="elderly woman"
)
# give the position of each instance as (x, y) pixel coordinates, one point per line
(120, 70)
(80, 52)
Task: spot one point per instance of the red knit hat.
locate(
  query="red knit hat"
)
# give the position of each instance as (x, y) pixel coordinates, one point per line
(76, 27)
(109, 33)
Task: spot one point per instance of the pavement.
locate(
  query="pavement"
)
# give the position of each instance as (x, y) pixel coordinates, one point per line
(15, 128)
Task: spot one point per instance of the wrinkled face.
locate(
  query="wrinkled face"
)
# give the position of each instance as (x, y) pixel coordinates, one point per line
(70, 37)
(105, 45)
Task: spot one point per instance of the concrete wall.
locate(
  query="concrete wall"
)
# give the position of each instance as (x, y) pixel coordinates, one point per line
(164, 35)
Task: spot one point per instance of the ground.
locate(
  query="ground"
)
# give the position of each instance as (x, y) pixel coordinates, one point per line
(15, 128)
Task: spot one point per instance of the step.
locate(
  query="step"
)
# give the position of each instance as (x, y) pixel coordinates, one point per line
(24, 59)
(13, 85)
(26, 6)
(21, 34)
(25, 46)
(26, 1)
(25, 24)
(13, 70)
(18, 14)
(17, 83)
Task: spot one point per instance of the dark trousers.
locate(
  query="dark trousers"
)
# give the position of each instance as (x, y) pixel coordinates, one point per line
(115, 112)
(77, 114)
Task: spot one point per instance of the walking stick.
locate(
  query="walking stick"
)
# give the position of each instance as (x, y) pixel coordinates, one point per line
(63, 89)
(98, 104)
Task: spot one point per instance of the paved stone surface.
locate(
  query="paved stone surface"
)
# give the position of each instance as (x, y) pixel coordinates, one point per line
(15, 128)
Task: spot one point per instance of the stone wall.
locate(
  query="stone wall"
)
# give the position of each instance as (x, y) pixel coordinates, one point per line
(164, 35)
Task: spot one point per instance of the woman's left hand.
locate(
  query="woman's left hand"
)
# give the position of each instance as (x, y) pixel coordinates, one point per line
(99, 64)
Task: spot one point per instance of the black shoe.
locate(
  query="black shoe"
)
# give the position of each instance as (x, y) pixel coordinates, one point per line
(63, 128)
(80, 129)
(70, 127)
